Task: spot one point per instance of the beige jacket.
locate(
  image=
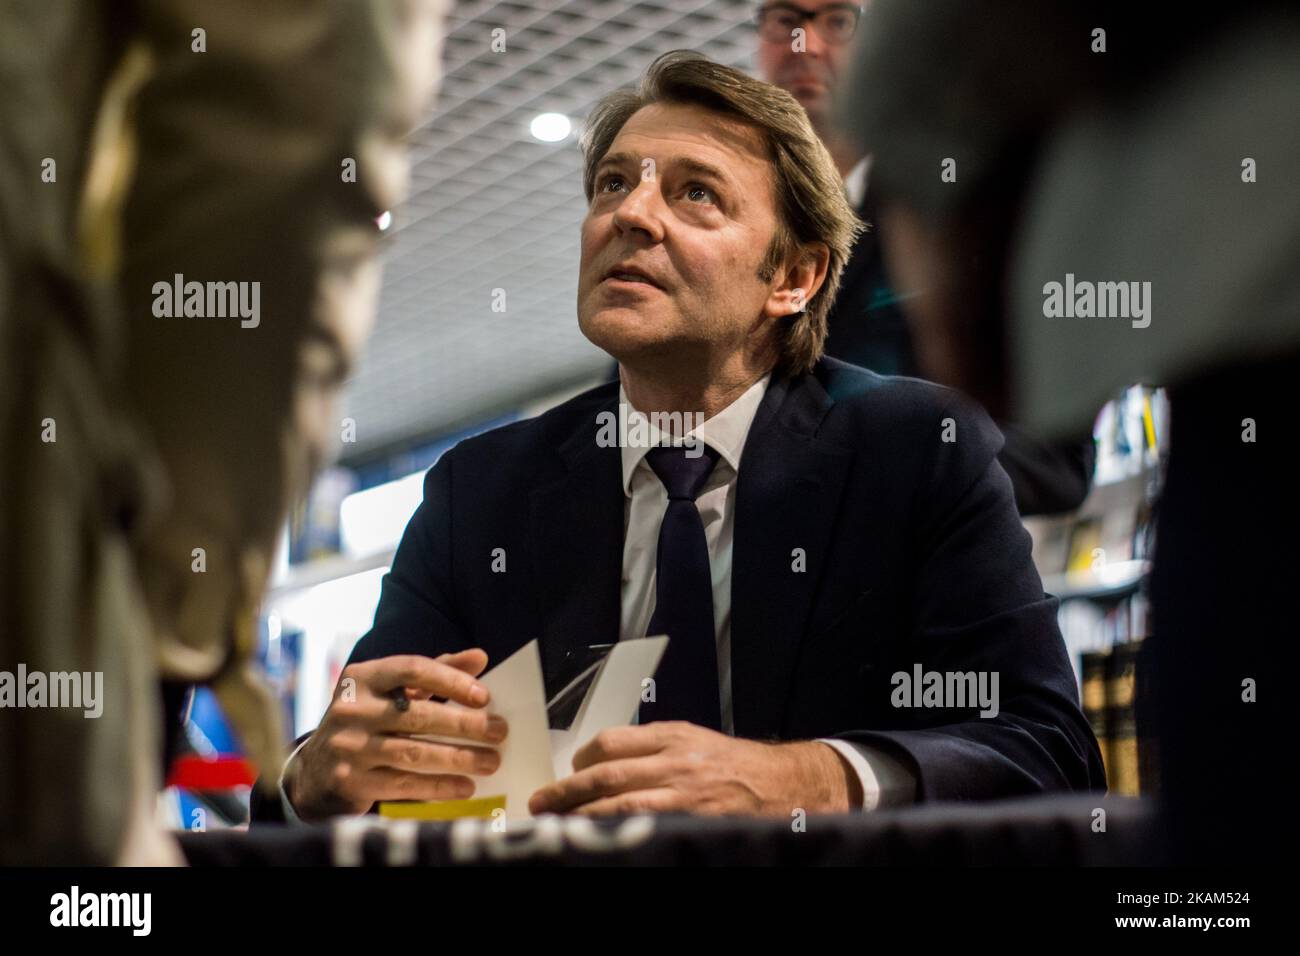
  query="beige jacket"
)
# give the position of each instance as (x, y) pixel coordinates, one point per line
(149, 460)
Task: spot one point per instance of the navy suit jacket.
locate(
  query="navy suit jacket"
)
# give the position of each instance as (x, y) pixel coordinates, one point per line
(913, 554)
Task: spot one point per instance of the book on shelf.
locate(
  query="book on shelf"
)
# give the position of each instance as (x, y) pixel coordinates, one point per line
(1121, 720)
(1110, 687)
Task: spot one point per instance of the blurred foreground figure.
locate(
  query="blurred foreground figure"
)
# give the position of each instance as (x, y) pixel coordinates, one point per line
(187, 270)
(1135, 173)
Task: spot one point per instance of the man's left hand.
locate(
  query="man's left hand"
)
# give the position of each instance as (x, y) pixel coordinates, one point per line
(674, 766)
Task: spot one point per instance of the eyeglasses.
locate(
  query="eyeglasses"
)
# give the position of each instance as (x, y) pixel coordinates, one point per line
(835, 23)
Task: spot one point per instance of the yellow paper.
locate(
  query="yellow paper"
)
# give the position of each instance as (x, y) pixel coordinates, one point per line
(442, 809)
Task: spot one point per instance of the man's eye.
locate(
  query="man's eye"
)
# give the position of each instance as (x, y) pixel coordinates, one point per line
(695, 188)
(604, 183)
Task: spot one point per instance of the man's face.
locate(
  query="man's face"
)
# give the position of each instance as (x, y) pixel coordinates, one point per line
(683, 196)
(811, 76)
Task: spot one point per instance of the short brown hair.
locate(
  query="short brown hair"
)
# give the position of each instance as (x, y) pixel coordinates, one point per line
(809, 197)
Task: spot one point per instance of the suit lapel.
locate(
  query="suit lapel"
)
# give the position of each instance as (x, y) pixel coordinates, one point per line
(576, 530)
(787, 497)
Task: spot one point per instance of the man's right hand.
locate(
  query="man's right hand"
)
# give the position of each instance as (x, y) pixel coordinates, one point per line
(363, 750)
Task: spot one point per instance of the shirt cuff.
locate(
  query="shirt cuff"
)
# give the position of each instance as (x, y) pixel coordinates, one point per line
(886, 781)
(290, 815)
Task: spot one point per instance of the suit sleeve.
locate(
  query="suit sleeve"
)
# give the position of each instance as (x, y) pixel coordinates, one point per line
(416, 613)
(977, 605)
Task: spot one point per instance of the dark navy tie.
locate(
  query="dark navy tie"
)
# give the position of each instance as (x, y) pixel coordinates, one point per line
(686, 683)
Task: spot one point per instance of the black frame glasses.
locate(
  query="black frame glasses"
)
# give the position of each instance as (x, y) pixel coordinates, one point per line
(777, 21)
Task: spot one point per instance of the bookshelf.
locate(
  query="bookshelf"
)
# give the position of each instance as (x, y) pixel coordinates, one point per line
(1108, 582)
(1097, 561)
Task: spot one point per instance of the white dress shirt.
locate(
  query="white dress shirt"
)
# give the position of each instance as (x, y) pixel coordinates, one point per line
(885, 780)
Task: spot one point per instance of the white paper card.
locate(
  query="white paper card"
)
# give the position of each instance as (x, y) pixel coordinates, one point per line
(613, 699)
(519, 695)
(533, 755)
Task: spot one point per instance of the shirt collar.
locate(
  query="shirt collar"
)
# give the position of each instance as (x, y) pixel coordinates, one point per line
(726, 431)
(855, 182)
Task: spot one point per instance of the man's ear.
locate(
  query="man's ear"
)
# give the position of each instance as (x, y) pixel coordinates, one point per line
(798, 280)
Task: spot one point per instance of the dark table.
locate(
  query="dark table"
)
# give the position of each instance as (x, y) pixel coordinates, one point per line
(1051, 830)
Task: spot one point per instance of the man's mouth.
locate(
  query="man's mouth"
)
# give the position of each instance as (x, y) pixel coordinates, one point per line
(806, 81)
(631, 274)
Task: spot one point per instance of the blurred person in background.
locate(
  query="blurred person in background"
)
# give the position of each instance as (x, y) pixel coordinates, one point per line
(805, 47)
(1106, 144)
(151, 448)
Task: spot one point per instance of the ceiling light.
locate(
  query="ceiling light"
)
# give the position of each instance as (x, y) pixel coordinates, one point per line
(550, 127)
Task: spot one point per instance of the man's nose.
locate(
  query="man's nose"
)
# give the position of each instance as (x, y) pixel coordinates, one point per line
(642, 210)
(814, 45)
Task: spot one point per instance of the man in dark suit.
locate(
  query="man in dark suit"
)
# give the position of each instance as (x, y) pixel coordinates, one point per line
(805, 48)
(853, 614)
